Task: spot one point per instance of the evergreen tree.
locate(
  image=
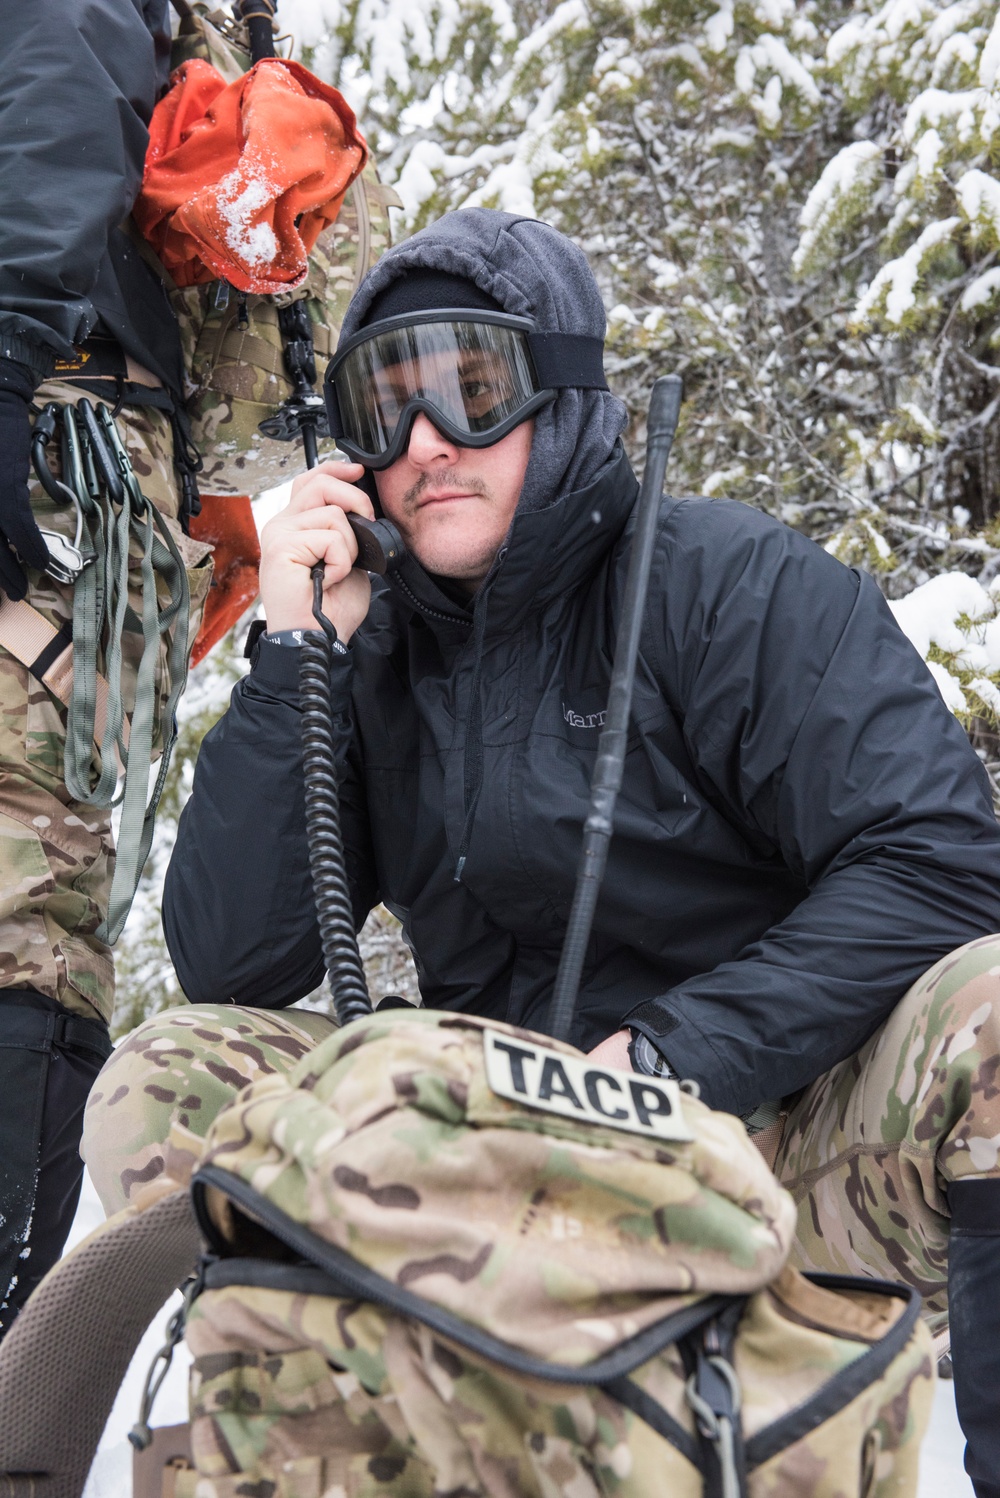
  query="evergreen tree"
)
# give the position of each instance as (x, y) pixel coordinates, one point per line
(791, 205)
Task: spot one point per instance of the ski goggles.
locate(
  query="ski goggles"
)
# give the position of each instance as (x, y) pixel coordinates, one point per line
(475, 375)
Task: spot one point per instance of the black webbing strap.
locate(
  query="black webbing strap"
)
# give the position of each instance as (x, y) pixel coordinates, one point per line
(30, 1027)
(51, 653)
(634, 1397)
(568, 359)
(83, 1034)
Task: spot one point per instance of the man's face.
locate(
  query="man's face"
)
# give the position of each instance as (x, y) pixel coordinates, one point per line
(454, 505)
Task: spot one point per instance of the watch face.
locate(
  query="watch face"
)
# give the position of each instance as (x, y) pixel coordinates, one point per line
(645, 1056)
(648, 1060)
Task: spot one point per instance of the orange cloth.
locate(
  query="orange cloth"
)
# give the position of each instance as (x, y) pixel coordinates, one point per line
(226, 520)
(241, 178)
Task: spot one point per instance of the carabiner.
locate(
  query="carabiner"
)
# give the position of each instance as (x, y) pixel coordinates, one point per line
(73, 421)
(123, 460)
(72, 456)
(41, 435)
(66, 560)
(107, 464)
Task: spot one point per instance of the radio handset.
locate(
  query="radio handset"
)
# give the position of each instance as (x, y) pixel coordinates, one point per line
(380, 546)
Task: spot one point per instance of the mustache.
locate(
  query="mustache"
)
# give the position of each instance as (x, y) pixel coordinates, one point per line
(449, 479)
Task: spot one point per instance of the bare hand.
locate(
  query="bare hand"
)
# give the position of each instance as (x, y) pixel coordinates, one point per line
(313, 528)
(613, 1051)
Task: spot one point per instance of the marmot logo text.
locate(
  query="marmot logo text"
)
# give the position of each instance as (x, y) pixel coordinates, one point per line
(583, 720)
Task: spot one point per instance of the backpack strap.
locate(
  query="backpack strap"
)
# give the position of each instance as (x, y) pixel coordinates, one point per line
(63, 1360)
(715, 1398)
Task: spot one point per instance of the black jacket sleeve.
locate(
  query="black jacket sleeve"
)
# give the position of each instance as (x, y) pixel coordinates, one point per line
(80, 78)
(820, 732)
(238, 910)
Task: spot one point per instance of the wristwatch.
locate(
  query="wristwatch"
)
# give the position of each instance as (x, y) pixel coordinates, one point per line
(647, 1060)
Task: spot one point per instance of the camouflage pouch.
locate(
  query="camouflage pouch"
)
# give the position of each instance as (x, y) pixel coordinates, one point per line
(450, 1257)
(232, 344)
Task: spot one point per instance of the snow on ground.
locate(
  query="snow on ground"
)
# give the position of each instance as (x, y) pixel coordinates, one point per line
(941, 1473)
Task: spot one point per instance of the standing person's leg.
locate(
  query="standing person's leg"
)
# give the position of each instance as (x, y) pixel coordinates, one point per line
(56, 866)
(156, 1098)
(894, 1160)
(48, 1061)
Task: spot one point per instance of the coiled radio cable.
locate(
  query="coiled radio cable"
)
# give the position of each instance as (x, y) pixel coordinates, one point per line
(334, 910)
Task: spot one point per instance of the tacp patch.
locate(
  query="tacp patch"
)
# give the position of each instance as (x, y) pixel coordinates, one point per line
(539, 1077)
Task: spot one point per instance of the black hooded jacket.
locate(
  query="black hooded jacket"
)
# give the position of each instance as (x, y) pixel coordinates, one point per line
(802, 830)
(80, 78)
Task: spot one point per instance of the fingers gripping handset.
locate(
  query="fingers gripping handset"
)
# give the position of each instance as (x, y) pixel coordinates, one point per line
(328, 521)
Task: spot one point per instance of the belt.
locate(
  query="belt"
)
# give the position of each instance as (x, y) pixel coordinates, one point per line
(25, 1027)
(104, 359)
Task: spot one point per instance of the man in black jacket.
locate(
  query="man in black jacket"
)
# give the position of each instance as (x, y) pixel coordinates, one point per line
(802, 830)
(80, 313)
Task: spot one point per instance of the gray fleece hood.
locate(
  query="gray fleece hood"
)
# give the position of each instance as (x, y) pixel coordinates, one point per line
(533, 271)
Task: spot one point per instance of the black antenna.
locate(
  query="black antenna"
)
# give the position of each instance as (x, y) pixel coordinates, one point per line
(257, 16)
(661, 424)
(303, 414)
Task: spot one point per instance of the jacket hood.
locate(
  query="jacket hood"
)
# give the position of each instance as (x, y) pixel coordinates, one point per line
(533, 271)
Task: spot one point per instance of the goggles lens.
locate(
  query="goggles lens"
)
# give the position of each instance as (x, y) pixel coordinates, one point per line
(474, 375)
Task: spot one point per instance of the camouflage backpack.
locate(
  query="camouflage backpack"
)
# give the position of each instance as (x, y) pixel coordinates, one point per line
(232, 344)
(450, 1258)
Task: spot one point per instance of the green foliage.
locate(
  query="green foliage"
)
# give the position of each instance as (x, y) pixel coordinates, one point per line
(792, 205)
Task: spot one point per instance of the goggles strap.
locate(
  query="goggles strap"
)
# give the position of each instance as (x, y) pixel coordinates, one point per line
(568, 359)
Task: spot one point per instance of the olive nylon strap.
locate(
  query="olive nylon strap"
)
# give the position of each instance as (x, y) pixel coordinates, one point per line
(138, 815)
(100, 595)
(101, 612)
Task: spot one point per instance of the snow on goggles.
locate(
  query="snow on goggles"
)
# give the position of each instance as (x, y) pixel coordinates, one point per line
(475, 375)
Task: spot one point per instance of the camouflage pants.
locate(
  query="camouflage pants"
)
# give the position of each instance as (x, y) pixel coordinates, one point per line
(57, 857)
(870, 1148)
(868, 1151)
